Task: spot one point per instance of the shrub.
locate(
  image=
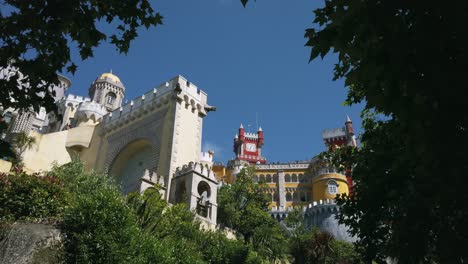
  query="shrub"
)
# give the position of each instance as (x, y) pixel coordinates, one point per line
(30, 197)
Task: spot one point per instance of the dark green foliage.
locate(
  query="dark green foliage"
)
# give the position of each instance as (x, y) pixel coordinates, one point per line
(99, 227)
(6, 151)
(36, 36)
(406, 60)
(315, 246)
(177, 231)
(243, 207)
(30, 197)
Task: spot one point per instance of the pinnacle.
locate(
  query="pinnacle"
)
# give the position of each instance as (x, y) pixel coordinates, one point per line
(348, 119)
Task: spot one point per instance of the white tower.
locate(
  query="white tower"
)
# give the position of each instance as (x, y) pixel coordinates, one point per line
(196, 185)
(108, 91)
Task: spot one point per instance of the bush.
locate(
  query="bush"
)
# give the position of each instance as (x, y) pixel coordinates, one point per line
(99, 227)
(30, 197)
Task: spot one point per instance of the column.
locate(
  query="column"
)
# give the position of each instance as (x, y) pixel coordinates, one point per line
(281, 191)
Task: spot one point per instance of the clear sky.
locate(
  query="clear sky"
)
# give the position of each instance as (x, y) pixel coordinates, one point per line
(250, 61)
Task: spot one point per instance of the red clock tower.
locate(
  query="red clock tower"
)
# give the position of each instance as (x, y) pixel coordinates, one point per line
(248, 146)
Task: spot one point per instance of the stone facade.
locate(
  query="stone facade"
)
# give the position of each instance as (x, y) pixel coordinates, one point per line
(140, 143)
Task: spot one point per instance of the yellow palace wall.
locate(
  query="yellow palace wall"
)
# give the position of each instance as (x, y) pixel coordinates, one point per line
(311, 188)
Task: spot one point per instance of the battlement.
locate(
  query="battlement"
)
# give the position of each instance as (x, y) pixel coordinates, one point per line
(251, 136)
(92, 106)
(282, 166)
(207, 156)
(91, 110)
(153, 178)
(196, 167)
(158, 97)
(312, 209)
(335, 133)
(76, 98)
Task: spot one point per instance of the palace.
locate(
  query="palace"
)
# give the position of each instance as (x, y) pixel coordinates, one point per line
(152, 139)
(290, 184)
(156, 139)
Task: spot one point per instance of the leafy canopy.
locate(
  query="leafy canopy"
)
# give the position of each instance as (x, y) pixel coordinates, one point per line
(36, 37)
(243, 207)
(406, 62)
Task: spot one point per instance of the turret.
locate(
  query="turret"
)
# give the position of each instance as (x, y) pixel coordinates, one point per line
(349, 127)
(260, 137)
(108, 91)
(241, 132)
(248, 146)
(351, 139)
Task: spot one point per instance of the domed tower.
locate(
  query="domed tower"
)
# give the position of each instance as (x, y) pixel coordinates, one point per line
(108, 91)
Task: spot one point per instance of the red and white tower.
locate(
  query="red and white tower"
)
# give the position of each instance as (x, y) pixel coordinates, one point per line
(248, 146)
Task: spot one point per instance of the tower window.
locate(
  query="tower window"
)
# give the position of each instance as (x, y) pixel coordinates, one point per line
(332, 187)
(110, 98)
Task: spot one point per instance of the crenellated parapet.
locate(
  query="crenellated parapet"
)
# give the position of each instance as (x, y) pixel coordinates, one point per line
(177, 88)
(90, 111)
(195, 185)
(199, 168)
(321, 214)
(151, 178)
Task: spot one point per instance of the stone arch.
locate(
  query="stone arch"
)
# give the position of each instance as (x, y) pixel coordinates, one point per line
(204, 189)
(181, 192)
(131, 163)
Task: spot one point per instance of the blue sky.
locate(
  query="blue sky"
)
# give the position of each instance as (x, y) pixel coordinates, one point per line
(251, 61)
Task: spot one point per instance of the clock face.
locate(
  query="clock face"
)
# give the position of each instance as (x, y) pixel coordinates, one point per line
(250, 147)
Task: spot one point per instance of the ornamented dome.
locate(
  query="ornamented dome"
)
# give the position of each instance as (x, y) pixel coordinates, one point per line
(111, 77)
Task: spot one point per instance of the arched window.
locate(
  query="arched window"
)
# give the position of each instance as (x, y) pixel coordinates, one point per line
(301, 177)
(255, 178)
(268, 178)
(287, 178)
(275, 178)
(296, 196)
(275, 197)
(262, 178)
(288, 197)
(332, 187)
(303, 197)
(203, 202)
(294, 178)
(110, 98)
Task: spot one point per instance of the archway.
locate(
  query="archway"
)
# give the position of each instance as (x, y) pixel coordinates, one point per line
(130, 164)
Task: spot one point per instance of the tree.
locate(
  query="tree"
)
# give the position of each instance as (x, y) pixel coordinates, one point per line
(243, 206)
(23, 142)
(36, 36)
(406, 62)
